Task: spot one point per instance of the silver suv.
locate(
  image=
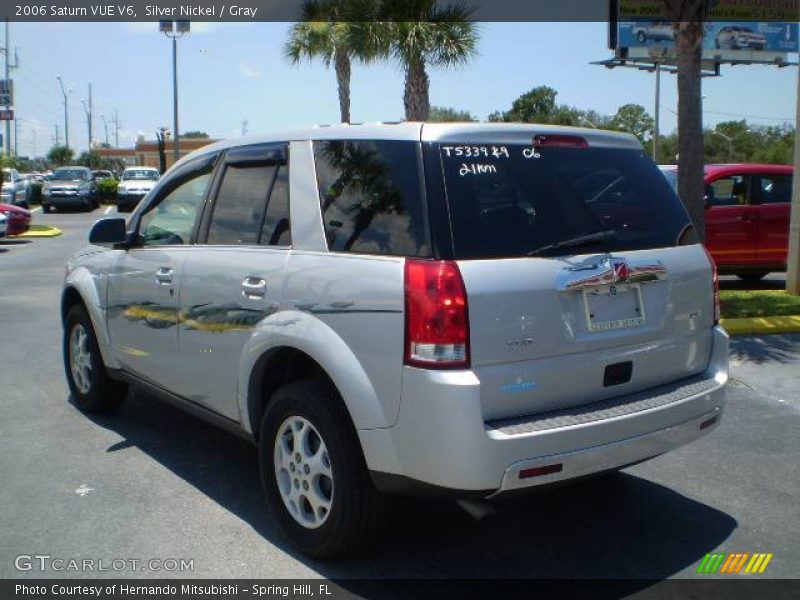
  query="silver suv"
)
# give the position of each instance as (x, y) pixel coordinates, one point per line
(462, 310)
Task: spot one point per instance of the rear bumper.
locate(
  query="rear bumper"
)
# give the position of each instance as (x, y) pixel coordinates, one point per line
(440, 440)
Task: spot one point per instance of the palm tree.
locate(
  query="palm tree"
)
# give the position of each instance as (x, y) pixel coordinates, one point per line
(689, 16)
(322, 33)
(417, 34)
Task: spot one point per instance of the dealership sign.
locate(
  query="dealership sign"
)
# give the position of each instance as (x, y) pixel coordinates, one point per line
(731, 35)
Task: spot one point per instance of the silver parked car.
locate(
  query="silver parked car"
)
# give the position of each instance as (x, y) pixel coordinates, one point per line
(462, 309)
(14, 188)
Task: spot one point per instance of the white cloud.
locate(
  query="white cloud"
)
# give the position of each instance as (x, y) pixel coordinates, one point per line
(249, 71)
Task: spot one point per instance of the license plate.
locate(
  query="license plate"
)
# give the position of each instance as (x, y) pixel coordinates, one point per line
(617, 306)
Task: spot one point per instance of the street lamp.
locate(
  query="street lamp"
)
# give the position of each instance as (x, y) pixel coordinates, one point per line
(730, 140)
(65, 91)
(174, 30)
(87, 109)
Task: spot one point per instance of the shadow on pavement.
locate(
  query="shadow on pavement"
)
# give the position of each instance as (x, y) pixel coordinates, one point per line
(772, 348)
(617, 526)
(734, 283)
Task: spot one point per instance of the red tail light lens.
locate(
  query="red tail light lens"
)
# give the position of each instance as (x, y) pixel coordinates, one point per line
(715, 282)
(559, 141)
(437, 320)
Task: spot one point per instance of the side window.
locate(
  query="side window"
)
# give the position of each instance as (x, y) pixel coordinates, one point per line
(371, 198)
(172, 218)
(728, 191)
(240, 205)
(277, 230)
(774, 189)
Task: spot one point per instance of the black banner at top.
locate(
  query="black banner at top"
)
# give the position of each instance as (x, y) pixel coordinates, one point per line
(291, 10)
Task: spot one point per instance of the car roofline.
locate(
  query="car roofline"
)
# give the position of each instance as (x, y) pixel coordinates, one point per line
(424, 132)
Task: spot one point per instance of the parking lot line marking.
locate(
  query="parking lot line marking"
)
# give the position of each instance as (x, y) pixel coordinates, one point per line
(37, 209)
(107, 210)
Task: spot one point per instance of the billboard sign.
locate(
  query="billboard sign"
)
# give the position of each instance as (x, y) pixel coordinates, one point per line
(719, 35)
(735, 30)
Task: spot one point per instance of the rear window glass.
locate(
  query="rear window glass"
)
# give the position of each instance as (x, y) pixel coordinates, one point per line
(371, 197)
(513, 200)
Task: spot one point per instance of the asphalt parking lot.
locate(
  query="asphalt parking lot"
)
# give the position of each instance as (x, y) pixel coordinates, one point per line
(151, 482)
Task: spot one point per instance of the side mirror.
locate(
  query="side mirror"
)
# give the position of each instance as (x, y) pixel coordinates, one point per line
(108, 232)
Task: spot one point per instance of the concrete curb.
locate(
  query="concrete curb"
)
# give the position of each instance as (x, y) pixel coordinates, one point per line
(762, 325)
(41, 231)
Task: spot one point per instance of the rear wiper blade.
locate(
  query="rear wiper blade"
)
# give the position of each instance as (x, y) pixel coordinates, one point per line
(591, 238)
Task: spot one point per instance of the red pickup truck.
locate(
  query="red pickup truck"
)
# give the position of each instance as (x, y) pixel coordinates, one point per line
(747, 216)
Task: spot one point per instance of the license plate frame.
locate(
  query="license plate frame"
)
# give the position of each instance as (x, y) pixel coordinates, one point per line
(597, 300)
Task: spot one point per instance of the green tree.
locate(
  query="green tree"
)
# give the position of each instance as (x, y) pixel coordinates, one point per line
(417, 34)
(445, 114)
(633, 119)
(90, 159)
(536, 106)
(195, 135)
(60, 155)
(323, 33)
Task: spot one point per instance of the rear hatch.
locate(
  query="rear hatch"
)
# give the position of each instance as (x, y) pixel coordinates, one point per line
(582, 271)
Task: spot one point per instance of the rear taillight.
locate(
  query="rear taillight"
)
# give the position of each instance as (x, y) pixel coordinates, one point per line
(437, 320)
(715, 283)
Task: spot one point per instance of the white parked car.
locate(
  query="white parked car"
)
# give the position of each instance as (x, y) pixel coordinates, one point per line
(134, 185)
(15, 188)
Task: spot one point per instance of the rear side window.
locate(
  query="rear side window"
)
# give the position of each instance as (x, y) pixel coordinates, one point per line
(371, 197)
(252, 203)
(511, 200)
(774, 189)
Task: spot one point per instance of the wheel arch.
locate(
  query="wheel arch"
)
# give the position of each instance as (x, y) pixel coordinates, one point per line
(80, 289)
(294, 345)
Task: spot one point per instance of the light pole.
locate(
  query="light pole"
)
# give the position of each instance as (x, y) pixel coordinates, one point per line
(64, 92)
(174, 30)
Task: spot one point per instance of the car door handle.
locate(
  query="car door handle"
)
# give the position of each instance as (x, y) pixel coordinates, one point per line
(164, 276)
(253, 287)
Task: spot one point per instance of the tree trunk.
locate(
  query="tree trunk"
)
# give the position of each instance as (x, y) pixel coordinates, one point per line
(690, 122)
(416, 97)
(342, 65)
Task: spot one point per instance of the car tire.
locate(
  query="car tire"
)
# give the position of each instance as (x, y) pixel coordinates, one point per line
(716, 43)
(752, 277)
(45, 208)
(641, 37)
(307, 430)
(92, 389)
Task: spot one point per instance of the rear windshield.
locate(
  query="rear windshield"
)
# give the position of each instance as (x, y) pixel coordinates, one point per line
(514, 200)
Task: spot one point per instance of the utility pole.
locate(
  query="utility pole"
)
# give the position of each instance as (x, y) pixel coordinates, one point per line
(88, 111)
(8, 82)
(244, 127)
(793, 266)
(16, 130)
(64, 92)
(57, 138)
(35, 148)
(116, 129)
(105, 127)
(657, 112)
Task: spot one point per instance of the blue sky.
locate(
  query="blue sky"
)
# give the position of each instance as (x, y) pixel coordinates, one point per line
(229, 72)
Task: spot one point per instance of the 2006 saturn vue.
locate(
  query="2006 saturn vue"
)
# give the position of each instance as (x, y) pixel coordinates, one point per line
(463, 309)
